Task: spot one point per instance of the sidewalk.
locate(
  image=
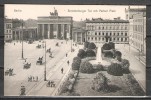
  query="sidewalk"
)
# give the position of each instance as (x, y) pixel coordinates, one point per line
(136, 67)
(55, 74)
(135, 52)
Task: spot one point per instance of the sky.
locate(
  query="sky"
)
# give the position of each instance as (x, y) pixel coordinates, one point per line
(78, 12)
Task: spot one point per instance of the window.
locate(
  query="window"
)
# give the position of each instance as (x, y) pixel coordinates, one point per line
(125, 39)
(117, 39)
(99, 38)
(95, 33)
(99, 33)
(114, 34)
(121, 39)
(114, 39)
(99, 28)
(88, 38)
(110, 34)
(121, 33)
(91, 38)
(103, 28)
(95, 38)
(117, 34)
(125, 34)
(103, 39)
(106, 34)
(102, 33)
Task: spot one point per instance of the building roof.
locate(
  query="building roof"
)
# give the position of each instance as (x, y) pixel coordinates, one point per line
(8, 20)
(99, 20)
(78, 30)
(137, 9)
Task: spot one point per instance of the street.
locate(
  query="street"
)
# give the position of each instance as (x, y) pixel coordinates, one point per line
(53, 65)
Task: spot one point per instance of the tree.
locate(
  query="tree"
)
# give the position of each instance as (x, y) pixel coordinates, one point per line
(112, 45)
(90, 53)
(76, 63)
(118, 55)
(86, 67)
(86, 44)
(81, 53)
(115, 69)
(106, 46)
(91, 46)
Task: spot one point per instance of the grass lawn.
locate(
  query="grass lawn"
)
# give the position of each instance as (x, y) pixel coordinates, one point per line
(125, 85)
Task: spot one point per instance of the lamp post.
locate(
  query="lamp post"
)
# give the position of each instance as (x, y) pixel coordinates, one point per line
(22, 41)
(71, 44)
(45, 64)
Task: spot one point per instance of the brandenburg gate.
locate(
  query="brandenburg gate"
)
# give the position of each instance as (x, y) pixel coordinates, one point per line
(54, 26)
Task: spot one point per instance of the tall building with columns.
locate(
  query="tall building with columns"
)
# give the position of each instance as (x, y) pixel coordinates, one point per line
(8, 25)
(100, 30)
(55, 26)
(137, 31)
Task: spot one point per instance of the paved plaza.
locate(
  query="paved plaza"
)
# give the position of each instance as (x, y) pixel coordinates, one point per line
(38, 87)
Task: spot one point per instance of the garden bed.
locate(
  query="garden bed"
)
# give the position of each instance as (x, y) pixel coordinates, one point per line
(125, 85)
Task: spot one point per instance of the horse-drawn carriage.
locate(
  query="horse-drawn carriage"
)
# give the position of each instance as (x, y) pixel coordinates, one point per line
(39, 61)
(9, 72)
(22, 90)
(26, 66)
(49, 50)
(57, 44)
(38, 46)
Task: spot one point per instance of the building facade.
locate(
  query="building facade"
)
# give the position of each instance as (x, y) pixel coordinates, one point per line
(54, 26)
(8, 25)
(137, 31)
(25, 34)
(100, 31)
(79, 35)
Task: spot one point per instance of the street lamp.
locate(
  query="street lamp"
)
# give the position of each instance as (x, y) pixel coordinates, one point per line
(45, 64)
(22, 41)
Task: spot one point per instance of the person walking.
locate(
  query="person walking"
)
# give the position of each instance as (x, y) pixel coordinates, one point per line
(62, 70)
(68, 62)
(66, 54)
(37, 78)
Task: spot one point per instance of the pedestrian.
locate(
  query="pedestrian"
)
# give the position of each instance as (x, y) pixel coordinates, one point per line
(14, 43)
(37, 78)
(48, 84)
(66, 54)
(25, 60)
(68, 62)
(62, 70)
(33, 78)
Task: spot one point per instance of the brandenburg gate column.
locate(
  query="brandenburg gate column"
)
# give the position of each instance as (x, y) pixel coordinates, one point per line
(63, 31)
(43, 31)
(48, 31)
(51, 31)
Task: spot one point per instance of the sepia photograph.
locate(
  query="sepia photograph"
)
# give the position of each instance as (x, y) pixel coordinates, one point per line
(74, 50)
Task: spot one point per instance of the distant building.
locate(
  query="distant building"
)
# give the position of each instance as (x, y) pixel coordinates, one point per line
(137, 31)
(79, 35)
(8, 25)
(100, 30)
(28, 33)
(54, 26)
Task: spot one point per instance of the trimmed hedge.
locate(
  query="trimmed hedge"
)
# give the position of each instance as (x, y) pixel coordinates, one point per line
(81, 53)
(125, 66)
(86, 44)
(91, 46)
(115, 69)
(90, 53)
(108, 54)
(118, 55)
(86, 67)
(98, 67)
(76, 63)
(106, 46)
(112, 45)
